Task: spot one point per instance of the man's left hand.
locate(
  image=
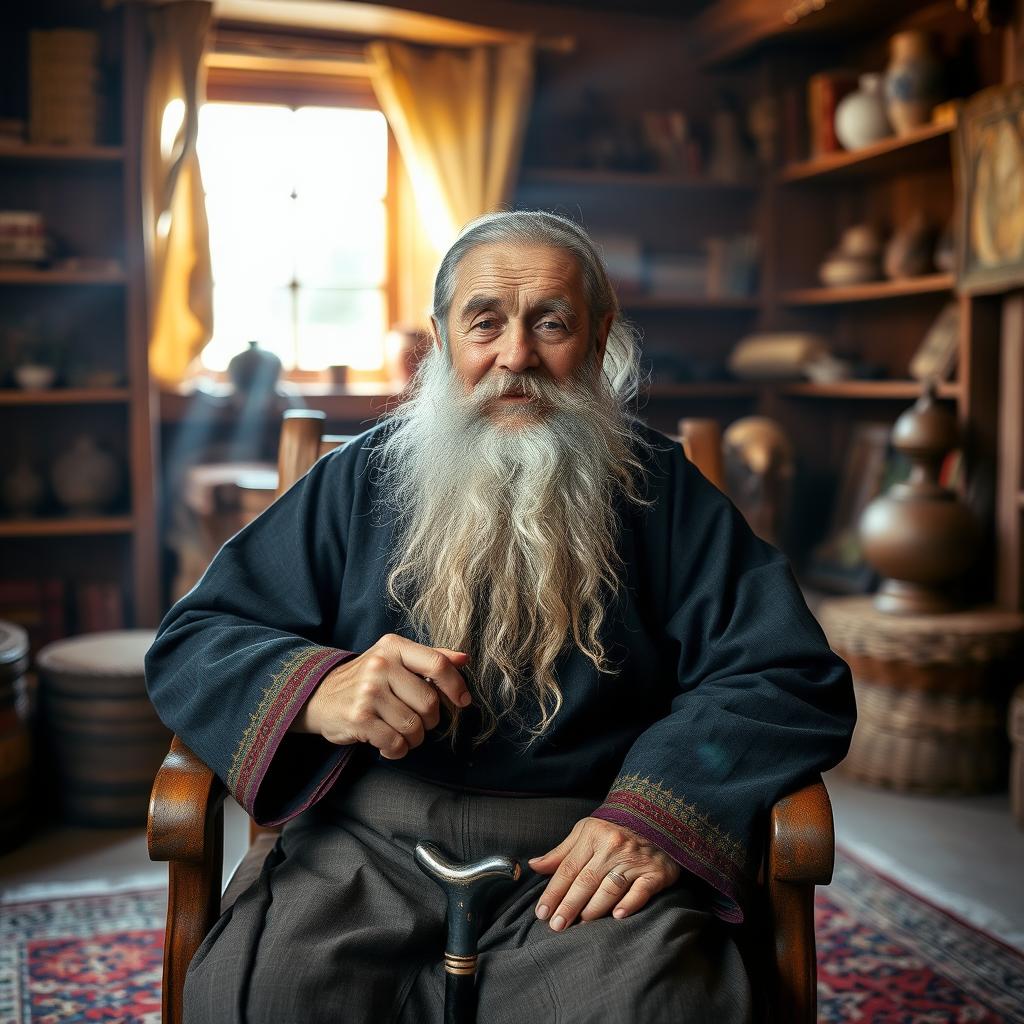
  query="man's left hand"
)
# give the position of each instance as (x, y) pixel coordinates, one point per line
(600, 867)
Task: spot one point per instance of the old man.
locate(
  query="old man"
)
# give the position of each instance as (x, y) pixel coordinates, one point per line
(508, 619)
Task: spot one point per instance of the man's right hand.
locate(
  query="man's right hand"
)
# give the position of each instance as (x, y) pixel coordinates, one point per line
(383, 697)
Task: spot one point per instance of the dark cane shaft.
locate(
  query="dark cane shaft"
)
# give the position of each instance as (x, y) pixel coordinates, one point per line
(460, 998)
(466, 886)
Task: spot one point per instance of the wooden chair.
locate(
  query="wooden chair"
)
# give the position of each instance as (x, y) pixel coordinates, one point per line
(186, 829)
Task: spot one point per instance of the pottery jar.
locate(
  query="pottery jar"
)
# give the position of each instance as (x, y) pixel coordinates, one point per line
(912, 81)
(861, 117)
(85, 478)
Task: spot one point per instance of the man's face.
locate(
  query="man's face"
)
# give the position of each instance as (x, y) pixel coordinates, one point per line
(520, 309)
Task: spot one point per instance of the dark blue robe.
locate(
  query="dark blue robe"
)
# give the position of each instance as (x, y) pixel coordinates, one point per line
(726, 697)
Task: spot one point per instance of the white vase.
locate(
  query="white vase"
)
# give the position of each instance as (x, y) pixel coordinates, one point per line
(861, 118)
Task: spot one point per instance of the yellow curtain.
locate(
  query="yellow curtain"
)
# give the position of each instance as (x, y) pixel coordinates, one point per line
(458, 117)
(180, 285)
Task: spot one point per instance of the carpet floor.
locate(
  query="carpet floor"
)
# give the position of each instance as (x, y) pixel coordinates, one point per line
(884, 957)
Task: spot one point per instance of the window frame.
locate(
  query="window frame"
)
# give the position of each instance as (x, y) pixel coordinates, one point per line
(243, 78)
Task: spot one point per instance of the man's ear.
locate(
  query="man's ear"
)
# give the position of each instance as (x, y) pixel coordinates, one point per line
(436, 335)
(601, 338)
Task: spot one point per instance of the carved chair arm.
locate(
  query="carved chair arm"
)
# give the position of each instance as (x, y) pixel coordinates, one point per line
(802, 844)
(184, 801)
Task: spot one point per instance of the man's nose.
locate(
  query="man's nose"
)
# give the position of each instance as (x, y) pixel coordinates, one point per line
(518, 351)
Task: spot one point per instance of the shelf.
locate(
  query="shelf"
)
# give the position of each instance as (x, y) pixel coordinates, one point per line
(712, 389)
(29, 275)
(695, 302)
(68, 527)
(873, 291)
(614, 179)
(42, 153)
(865, 389)
(889, 156)
(63, 396)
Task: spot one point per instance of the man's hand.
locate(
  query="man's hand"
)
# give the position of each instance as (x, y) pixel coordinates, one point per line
(387, 697)
(597, 867)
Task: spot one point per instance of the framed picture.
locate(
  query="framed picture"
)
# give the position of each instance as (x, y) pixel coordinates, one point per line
(871, 466)
(989, 152)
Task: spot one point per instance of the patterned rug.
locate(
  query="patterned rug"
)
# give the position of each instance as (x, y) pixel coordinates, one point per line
(885, 957)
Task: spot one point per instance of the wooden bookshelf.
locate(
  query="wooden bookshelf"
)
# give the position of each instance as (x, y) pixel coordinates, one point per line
(91, 312)
(872, 291)
(866, 389)
(34, 276)
(583, 178)
(66, 527)
(38, 152)
(63, 396)
(894, 155)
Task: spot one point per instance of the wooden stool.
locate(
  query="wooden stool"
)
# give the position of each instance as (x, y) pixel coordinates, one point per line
(931, 693)
(107, 740)
(1016, 730)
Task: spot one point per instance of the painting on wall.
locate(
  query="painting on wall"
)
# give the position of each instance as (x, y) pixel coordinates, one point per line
(989, 152)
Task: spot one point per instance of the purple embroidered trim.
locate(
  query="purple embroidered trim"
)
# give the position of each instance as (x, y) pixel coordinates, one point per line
(291, 689)
(682, 843)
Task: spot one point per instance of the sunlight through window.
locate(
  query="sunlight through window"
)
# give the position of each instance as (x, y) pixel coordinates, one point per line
(296, 200)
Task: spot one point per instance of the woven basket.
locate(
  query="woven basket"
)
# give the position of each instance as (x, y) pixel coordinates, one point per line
(931, 694)
(920, 742)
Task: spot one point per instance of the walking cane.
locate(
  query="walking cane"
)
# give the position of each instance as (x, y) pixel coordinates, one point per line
(466, 886)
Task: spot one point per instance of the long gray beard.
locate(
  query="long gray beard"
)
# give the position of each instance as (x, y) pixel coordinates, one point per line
(506, 526)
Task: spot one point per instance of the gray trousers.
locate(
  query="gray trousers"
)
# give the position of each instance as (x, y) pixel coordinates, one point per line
(341, 926)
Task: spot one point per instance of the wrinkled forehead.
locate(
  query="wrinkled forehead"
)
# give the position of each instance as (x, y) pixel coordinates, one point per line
(519, 276)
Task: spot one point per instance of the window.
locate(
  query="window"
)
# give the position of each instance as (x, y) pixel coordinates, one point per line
(296, 199)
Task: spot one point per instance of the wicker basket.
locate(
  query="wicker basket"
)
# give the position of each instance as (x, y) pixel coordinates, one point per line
(931, 694)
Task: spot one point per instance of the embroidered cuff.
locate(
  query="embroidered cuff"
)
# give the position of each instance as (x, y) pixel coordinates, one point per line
(685, 834)
(282, 700)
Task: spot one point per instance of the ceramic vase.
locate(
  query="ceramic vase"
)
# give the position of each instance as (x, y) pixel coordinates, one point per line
(85, 478)
(861, 117)
(912, 81)
(254, 369)
(918, 535)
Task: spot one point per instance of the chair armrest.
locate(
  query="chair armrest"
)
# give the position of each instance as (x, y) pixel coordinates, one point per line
(802, 843)
(186, 829)
(185, 798)
(801, 854)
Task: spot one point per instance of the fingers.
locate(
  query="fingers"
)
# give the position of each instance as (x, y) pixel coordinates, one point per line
(414, 692)
(600, 868)
(437, 664)
(547, 862)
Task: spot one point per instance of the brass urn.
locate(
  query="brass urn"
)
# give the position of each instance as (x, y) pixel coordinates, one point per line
(918, 535)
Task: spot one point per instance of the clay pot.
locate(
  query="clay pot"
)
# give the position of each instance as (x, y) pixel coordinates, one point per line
(918, 535)
(85, 478)
(861, 117)
(912, 81)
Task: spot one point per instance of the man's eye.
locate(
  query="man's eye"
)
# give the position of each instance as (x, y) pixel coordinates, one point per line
(552, 325)
(484, 325)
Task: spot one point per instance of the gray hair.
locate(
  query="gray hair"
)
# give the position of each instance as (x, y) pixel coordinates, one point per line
(621, 366)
